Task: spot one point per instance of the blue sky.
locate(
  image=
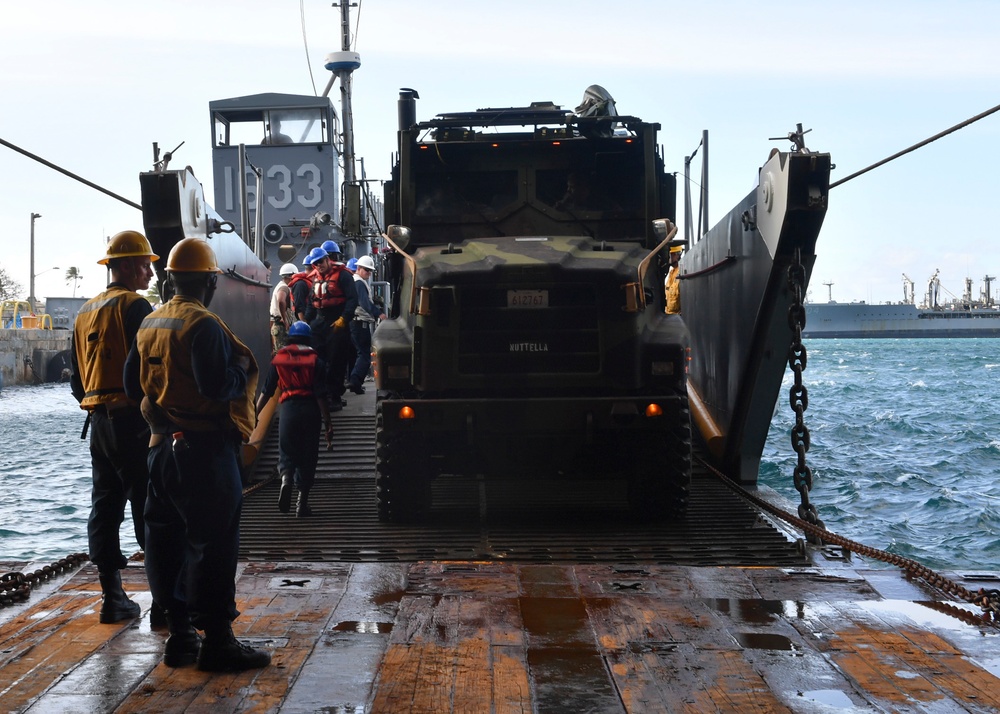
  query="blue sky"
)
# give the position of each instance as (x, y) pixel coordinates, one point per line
(90, 86)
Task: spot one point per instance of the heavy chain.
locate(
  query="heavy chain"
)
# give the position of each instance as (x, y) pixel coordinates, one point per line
(798, 396)
(988, 600)
(16, 587)
(258, 485)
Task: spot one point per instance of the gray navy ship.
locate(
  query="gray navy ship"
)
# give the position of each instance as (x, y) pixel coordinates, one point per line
(963, 316)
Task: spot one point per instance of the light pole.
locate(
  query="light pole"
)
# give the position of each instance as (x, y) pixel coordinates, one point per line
(54, 267)
(31, 268)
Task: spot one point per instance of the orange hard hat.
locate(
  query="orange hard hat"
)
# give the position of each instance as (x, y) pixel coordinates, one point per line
(128, 244)
(192, 255)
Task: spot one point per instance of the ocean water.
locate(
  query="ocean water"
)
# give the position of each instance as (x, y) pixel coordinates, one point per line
(45, 475)
(905, 453)
(905, 446)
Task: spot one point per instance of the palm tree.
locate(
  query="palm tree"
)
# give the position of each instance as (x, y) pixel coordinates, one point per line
(73, 274)
(153, 293)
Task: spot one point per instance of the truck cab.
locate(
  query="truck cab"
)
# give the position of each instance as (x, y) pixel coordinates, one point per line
(527, 333)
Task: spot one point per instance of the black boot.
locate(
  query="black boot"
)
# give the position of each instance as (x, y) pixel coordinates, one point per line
(222, 652)
(157, 617)
(116, 606)
(183, 643)
(302, 509)
(285, 493)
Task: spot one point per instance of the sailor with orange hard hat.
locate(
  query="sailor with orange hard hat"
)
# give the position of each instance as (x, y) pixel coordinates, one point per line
(103, 333)
(197, 381)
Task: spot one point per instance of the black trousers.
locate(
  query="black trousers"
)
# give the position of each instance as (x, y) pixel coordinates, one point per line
(334, 346)
(299, 425)
(193, 526)
(118, 448)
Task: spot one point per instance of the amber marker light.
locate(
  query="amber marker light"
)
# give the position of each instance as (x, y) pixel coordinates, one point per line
(556, 143)
(654, 410)
(406, 413)
(424, 147)
(495, 145)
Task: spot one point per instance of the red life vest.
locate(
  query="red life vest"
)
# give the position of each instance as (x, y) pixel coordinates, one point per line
(298, 277)
(326, 289)
(296, 365)
(303, 277)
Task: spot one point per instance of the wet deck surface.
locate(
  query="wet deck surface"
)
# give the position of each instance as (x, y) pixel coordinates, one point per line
(394, 632)
(480, 637)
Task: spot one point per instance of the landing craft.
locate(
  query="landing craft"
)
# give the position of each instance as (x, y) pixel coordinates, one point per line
(174, 208)
(293, 191)
(278, 195)
(492, 628)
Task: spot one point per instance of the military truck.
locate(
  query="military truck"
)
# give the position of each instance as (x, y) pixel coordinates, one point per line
(527, 335)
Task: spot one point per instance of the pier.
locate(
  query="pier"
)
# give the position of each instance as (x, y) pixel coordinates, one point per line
(25, 354)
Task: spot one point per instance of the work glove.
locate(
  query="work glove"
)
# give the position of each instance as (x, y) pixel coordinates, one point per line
(340, 323)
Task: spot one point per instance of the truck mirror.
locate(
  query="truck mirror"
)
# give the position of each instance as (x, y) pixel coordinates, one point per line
(660, 228)
(399, 236)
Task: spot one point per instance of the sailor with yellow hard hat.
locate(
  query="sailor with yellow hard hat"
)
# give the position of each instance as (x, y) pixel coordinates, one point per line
(672, 283)
(103, 333)
(197, 381)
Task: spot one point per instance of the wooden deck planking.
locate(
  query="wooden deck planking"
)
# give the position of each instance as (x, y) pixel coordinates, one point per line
(908, 665)
(52, 639)
(470, 637)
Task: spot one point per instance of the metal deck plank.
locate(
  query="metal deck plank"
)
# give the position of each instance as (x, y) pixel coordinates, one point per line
(497, 519)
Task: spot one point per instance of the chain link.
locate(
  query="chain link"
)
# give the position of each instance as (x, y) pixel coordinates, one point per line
(16, 587)
(988, 600)
(798, 395)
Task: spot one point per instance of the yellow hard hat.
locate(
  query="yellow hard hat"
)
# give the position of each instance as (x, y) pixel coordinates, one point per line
(192, 255)
(128, 244)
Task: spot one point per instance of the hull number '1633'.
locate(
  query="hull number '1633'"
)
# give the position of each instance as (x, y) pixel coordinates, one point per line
(527, 298)
(282, 186)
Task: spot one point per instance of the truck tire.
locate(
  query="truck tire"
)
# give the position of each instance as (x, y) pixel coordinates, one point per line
(402, 478)
(660, 482)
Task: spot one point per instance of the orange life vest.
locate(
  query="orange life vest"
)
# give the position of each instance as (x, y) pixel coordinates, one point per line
(99, 340)
(299, 277)
(167, 375)
(296, 365)
(327, 291)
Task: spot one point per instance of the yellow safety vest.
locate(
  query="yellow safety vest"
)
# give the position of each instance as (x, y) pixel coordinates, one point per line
(99, 343)
(673, 288)
(167, 375)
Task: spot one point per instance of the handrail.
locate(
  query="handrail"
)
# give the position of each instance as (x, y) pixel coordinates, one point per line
(413, 268)
(15, 305)
(644, 264)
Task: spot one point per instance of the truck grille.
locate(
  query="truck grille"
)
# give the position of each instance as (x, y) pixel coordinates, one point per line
(561, 339)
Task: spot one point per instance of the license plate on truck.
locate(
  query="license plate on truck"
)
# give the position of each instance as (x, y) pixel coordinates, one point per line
(527, 298)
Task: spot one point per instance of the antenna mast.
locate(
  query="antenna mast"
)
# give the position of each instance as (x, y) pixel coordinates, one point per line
(343, 64)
